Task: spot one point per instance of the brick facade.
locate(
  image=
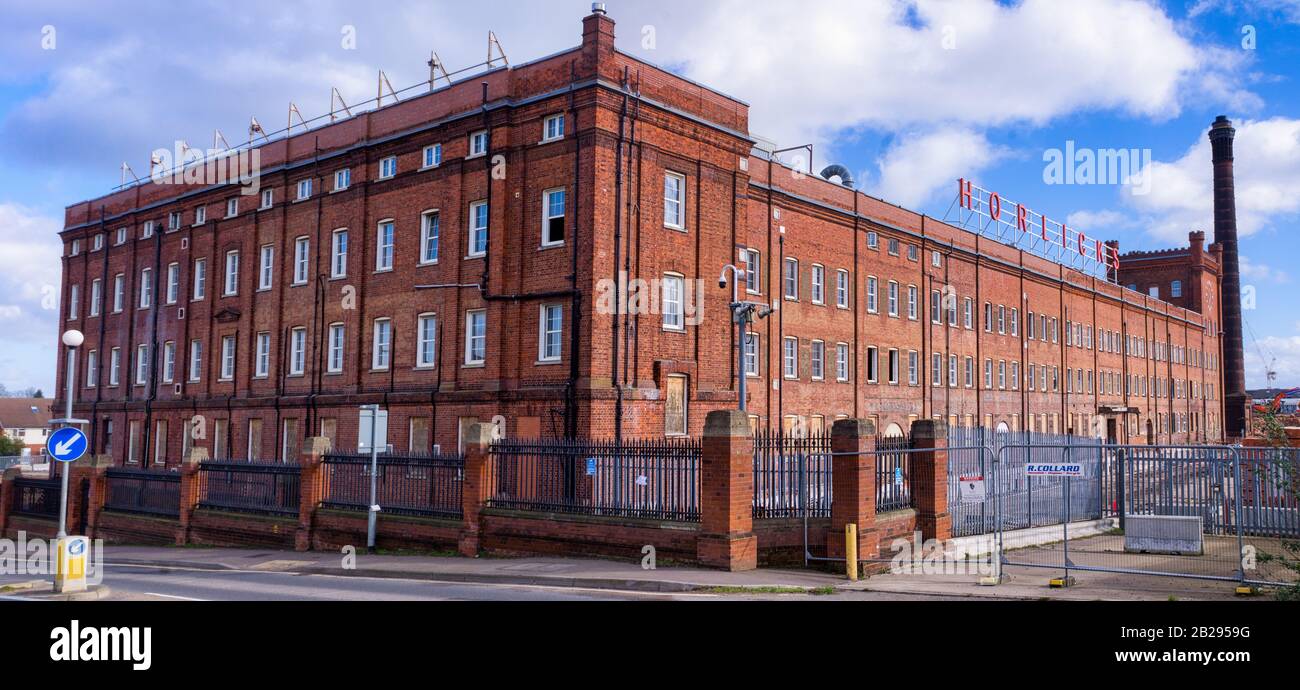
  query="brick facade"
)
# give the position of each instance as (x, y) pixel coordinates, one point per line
(629, 130)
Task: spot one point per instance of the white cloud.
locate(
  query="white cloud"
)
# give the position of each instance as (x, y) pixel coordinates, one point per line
(1266, 170)
(920, 165)
(1261, 272)
(29, 293)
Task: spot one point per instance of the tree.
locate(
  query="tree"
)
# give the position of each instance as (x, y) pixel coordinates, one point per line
(10, 447)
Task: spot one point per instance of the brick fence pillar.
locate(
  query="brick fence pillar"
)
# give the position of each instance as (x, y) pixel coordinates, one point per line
(93, 472)
(478, 486)
(930, 478)
(313, 484)
(189, 492)
(726, 537)
(7, 496)
(853, 487)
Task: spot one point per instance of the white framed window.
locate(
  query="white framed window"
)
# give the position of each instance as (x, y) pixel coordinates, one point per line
(893, 367)
(968, 313)
(426, 341)
(200, 279)
(118, 293)
(387, 167)
(297, 351)
(936, 306)
(936, 259)
(892, 246)
(1002, 375)
(842, 289)
(201, 215)
(301, 260)
(74, 301)
(553, 128)
(429, 235)
(334, 360)
(913, 253)
(478, 144)
(266, 265)
(475, 337)
(384, 243)
(818, 284)
(913, 296)
(818, 360)
(97, 242)
(231, 285)
(553, 217)
(753, 268)
(873, 295)
(342, 179)
(841, 362)
(92, 368)
(873, 364)
(232, 207)
(673, 293)
(147, 231)
(790, 278)
(339, 253)
(227, 357)
(96, 295)
(174, 220)
(790, 357)
(141, 364)
(751, 354)
(173, 282)
(195, 371)
(873, 240)
(969, 377)
(146, 288)
(121, 236)
(304, 189)
(114, 365)
(952, 371)
(913, 368)
(381, 344)
(936, 369)
(893, 299)
(550, 332)
(988, 374)
(268, 198)
(169, 362)
(262, 354)
(1176, 288)
(478, 229)
(674, 201)
(1015, 321)
(432, 156)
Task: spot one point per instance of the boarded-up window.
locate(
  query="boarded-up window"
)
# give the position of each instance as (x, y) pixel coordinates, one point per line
(419, 442)
(329, 428)
(254, 439)
(463, 429)
(219, 439)
(160, 442)
(675, 406)
(187, 437)
(816, 425)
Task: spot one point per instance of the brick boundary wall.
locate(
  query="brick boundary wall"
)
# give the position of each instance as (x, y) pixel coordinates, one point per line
(726, 537)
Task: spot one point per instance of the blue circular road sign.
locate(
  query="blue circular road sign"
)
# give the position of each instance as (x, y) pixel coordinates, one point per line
(66, 444)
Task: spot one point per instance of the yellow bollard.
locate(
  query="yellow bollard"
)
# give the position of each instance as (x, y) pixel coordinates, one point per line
(851, 550)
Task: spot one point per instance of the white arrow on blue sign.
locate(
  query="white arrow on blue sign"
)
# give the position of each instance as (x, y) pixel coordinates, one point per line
(67, 444)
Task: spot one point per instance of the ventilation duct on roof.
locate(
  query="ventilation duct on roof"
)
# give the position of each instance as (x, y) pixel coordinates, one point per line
(837, 170)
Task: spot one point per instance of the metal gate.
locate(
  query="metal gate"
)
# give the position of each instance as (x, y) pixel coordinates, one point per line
(1173, 511)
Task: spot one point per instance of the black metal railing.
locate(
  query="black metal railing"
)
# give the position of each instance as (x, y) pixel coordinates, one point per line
(36, 497)
(893, 473)
(405, 484)
(657, 479)
(790, 474)
(142, 491)
(251, 487)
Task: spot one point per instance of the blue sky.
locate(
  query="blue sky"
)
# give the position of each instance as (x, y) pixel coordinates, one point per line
(908, 95)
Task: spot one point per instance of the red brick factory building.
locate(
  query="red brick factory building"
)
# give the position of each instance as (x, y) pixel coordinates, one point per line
(450, 257)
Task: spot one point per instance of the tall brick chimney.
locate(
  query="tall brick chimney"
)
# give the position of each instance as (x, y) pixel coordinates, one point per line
(598, 44)
(1225, 235)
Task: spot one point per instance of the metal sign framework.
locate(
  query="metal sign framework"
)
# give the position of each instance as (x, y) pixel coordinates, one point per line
(991, 215)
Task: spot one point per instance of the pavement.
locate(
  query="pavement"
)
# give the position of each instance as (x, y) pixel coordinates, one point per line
(243, 571)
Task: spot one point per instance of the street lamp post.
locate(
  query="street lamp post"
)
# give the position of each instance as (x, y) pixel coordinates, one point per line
(73, 340)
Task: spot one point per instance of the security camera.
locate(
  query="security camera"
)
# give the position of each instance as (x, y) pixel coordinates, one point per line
(722, 281)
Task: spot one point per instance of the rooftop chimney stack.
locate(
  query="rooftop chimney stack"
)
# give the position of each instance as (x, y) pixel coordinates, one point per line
(1225, 235)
